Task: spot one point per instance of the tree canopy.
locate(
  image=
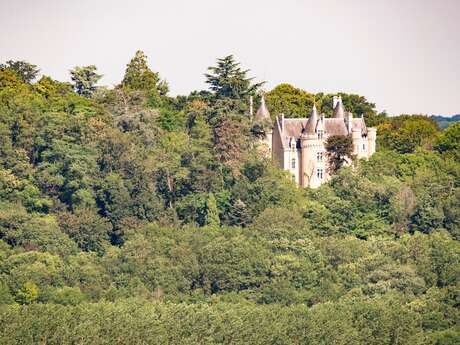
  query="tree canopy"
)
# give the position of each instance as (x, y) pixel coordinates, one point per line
(227, 79)
(25, 71)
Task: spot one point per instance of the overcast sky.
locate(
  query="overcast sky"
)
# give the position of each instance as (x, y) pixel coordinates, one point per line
(404, 55)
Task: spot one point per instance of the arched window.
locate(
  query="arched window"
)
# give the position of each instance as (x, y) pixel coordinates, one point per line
(293, 163)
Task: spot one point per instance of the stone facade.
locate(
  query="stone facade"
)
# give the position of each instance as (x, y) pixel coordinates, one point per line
(297, 144)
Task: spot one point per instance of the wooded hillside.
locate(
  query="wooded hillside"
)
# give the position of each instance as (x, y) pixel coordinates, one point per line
(128, 216)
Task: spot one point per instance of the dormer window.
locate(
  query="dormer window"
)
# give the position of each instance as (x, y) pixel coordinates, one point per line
(320, 134)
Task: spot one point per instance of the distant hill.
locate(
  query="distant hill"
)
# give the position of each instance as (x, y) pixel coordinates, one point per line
(444, 121)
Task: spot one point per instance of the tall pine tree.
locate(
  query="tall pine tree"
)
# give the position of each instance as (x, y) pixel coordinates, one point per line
(227, 79)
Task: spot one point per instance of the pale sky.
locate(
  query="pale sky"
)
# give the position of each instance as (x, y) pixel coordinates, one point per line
(403, 55)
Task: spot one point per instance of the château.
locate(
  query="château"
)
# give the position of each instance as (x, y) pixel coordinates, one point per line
(298, 144)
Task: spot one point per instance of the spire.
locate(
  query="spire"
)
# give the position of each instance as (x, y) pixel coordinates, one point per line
(339, 111)
(314, 110)
(262, 112)
(312, 121)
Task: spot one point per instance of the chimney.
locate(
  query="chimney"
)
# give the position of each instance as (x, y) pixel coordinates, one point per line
(349, 121)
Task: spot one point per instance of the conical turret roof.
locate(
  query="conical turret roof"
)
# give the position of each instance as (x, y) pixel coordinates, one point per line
(312, 121)
(339, 111)
(262, 112)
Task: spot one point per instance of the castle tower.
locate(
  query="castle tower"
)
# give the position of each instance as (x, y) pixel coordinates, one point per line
(263, 116)
(309, 143)
(356, 138)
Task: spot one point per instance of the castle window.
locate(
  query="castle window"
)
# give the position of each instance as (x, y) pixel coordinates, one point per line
(319, 173)
(293, 163)
(319, 156)
(320, 134)
(364, 147)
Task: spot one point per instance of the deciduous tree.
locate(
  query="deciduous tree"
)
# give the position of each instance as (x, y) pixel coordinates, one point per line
(339, 149)
(27, 72)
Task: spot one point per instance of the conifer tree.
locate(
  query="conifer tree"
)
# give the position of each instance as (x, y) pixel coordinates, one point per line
(238, 214)
(212, 213)
(138, 75)
(227, 79)
(85, 79)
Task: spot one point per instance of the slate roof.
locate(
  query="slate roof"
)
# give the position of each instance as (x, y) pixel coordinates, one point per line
(262, 112)
(339, 111)
(310, 127)
(294, 127)
(335, 126)
(359, 123)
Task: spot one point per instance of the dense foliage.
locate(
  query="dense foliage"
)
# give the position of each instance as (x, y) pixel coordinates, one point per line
(128, 216)
(339, 151)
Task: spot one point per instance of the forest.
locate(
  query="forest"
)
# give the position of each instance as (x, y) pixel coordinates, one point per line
(128, 216)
